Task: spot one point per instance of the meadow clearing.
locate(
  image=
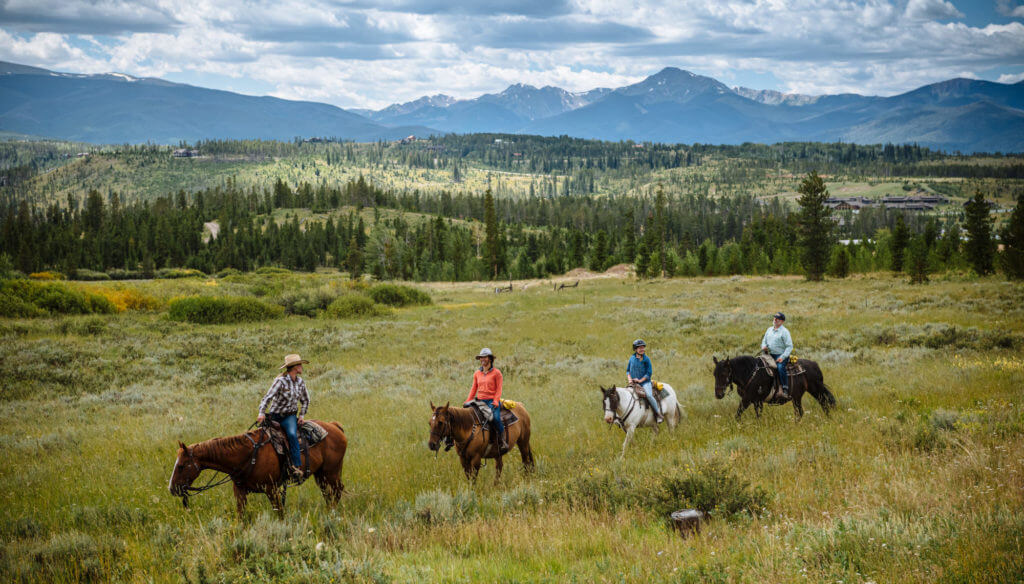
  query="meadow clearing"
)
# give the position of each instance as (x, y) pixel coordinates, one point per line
(918, 476)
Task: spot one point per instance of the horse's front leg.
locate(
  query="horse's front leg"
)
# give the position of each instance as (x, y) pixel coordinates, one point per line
(625, 443)
(277, 498)
(498, 464)
(798, 406)
(240, 500)
(758, 406)
(743, 405)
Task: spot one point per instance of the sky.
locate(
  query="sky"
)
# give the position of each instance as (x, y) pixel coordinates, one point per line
(370, 54)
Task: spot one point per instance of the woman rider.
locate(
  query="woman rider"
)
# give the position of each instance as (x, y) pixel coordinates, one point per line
(487, 387)
(639, 370)
(286, 403)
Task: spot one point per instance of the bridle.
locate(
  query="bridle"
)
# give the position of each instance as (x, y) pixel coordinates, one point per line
(445, 434)
(238, 475)
(613, 407)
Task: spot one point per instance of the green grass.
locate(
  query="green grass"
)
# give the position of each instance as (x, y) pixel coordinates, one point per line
(917, 477)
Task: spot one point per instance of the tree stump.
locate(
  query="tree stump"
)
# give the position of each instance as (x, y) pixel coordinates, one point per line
(687, 521)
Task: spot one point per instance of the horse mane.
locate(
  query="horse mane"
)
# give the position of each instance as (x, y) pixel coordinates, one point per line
(215, 448)
(461, 417)
(743, 367)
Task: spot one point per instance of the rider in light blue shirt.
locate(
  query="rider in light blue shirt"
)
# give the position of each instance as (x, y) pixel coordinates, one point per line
(639, 370)
(779, 344)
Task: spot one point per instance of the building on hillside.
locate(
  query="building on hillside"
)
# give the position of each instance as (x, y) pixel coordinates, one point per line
(185, 153)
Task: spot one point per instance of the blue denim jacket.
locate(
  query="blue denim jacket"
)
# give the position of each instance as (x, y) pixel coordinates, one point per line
(639, 368)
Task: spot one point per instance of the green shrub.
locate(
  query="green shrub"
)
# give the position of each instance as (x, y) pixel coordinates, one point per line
(120, 274)
(228, 272)
(272, 270)
(75, 556)
(89, 275)
(309, 302)
(398, 295)
(172, 273)
(713, 489)
(434, 507)
(25, 298)
(354, 306)
(230, 309)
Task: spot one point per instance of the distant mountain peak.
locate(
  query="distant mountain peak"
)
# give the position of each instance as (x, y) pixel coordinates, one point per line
(772, 97)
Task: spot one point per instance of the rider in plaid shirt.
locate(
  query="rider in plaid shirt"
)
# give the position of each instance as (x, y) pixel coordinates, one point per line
(282, 404)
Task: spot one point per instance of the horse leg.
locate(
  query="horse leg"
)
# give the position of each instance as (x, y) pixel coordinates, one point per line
(498, 465)
(277, 499)
(240, 500)
(467, 467)
(758, 406)
(527, 455)
(739, 411)
(475, 464)
(798, 396)
(675, 418)
(625, 443)
(330, 485)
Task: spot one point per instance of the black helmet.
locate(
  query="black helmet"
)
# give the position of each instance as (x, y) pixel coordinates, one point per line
(639, 343)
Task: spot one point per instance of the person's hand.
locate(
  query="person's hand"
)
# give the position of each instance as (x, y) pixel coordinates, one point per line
(764, 349)
(260, 418)
(299, 420)
(779, 360)
(465, 405)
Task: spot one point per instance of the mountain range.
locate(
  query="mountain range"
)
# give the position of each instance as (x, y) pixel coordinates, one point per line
(673, 106)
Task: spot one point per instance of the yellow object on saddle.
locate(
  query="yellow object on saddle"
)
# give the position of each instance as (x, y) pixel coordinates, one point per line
(508, 404)
(793, 359)
(657, 385)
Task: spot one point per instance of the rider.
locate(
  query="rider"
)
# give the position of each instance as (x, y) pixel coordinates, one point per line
(286, 402)
(487, 387)
(779, 344)
(639, 370)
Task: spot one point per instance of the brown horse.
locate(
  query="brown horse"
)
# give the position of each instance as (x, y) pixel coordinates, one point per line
(473, 440)
(251, 464)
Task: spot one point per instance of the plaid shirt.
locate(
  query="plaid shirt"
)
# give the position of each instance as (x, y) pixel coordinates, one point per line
(285, 396)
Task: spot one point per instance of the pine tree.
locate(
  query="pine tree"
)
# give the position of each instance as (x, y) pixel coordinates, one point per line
(490, 255)
(661, 232)
(815, 226)
(900, 239)
(599, 255)
(354, 259)
(978, 223)
(917, 260)
(1012, 259)
(839, 266)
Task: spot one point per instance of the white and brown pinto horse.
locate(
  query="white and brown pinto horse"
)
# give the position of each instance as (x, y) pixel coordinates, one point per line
(623, 407)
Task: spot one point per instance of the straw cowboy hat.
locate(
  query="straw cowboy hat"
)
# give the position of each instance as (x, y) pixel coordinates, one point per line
(292, 360)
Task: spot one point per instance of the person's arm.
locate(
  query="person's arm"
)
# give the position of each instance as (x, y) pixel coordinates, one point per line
(274, 388)
(472, 392)
(629, 376)
(788, 339)
(764, 339)
(497, 387)
(303, 401)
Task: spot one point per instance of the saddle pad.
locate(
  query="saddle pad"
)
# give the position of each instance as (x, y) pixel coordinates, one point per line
(312, 432)
(795, 369)
(508, 417)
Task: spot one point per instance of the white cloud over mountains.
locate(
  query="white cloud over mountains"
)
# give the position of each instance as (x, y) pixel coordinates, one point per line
(363, 53)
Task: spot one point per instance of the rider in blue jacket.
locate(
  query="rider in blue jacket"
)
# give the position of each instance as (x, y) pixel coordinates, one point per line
(639, 370)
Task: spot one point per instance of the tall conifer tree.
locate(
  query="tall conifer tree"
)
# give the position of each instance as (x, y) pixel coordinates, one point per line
(978, 223)
(815, 226)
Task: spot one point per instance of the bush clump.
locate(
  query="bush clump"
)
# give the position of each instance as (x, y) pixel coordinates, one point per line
(309, 302)
(265, 270)
(46, 276)
(398, 295)
(228, 272)
(172, 273)
(354, 306)
(119, 274)
(712, 489)
(89, 275)
(131, 300)
(26, 298)
(224, 310)
(436, 507)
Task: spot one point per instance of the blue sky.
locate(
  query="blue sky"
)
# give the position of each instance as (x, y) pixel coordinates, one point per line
(369, 54)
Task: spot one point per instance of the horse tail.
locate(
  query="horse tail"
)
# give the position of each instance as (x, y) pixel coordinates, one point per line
(824, 397)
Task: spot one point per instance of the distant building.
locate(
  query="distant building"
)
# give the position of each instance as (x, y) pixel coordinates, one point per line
(185, 153)
(408, 139)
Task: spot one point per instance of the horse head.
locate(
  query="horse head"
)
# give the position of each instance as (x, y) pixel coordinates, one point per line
(723, 373)
(186, 469)
(440, 425)
(610, 398)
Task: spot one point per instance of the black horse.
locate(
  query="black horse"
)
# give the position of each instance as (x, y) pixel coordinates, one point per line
(754, 383)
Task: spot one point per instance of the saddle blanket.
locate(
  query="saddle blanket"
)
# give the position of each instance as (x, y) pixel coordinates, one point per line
(793, 366)
(312, 432)
(482, 412)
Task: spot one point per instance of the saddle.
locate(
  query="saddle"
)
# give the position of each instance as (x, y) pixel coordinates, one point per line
(483, 413)
(793, 368)
(310, 434)
(641, 395)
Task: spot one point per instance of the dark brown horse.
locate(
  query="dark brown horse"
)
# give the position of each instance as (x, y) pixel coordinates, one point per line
(473, 441)
(251, 464)
(754, 383)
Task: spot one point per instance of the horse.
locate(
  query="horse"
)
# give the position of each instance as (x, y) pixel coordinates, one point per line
(473, 440)
(754, 383)
(621, 406)
(252, 465)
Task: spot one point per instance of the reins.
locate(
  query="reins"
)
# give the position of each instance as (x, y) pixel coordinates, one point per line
(617, 419)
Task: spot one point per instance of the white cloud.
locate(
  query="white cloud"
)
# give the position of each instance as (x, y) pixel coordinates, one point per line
(1010, 8)
(1011, 78)
(932, 10)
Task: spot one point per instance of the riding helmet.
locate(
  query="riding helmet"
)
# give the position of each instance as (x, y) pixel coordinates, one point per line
(639, 343)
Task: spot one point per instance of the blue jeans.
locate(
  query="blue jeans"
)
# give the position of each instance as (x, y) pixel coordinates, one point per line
(498, 426)
(649, 390)
(290, 425)
(783, 374)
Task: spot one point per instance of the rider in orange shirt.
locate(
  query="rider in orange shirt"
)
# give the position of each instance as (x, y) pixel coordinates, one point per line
(487, 387)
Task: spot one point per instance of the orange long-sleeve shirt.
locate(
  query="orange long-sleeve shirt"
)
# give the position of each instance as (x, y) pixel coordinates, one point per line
(486, 386)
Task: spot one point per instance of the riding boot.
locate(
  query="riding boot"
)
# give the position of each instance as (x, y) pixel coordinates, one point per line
(503, 442)
(784, 393)
(296, 473)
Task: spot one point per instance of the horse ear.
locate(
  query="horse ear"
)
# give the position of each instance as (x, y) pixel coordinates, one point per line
(182, 446)
(715, 359)
(432, 408)
(447, 404)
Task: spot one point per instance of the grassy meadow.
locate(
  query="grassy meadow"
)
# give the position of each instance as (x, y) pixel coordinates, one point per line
(918, 476)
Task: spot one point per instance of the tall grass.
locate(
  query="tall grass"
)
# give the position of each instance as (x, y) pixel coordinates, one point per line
(915, 477)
